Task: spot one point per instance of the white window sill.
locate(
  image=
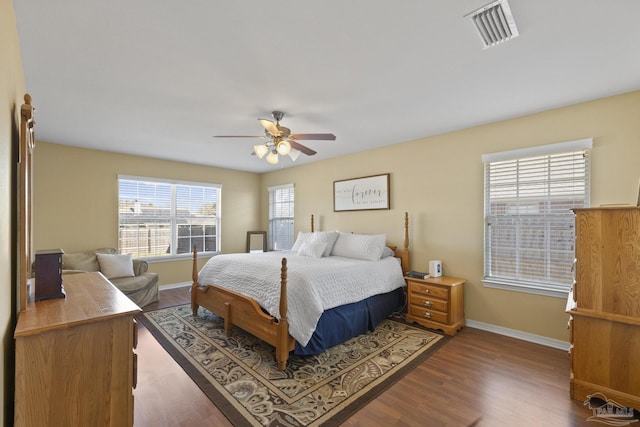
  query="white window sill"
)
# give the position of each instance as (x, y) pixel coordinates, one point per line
(181, 257)
(529, 288)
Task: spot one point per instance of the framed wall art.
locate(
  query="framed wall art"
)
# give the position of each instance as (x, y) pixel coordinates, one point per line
(358, 194)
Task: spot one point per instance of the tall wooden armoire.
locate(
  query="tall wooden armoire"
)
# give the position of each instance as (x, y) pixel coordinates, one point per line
(605, 311)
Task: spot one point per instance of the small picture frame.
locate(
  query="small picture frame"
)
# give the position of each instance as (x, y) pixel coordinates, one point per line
(358, 194)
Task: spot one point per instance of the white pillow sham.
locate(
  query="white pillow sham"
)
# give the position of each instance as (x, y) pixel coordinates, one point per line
(387, 251)
(302, 237)
(328, 237)
(312, 249)
(114, 266)
(360, 246)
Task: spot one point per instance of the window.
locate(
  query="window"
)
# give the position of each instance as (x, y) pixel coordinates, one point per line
(529, 224)
(281, 201)
(163, 218)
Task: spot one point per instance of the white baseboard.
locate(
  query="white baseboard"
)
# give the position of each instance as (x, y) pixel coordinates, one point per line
(175, 285)
(525, 336)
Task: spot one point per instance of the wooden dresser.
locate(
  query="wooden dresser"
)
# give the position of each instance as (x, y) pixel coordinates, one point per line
(605, 311)
(436, 303)
(75, 364)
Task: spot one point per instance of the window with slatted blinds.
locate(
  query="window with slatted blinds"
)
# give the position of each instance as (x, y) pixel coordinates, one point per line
(281, 205)
(529, 222)
(164, 218)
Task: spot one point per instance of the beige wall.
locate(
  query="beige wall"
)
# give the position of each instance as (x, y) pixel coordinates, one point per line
(76, 200)
(12, 90)
(439, 181)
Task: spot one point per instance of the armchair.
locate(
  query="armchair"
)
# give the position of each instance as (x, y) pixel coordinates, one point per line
(130, 277)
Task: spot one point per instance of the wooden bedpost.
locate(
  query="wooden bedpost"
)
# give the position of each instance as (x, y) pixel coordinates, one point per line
(403, 253)
(406, 231)
(282, 347)
(312, 230)
(194, 285)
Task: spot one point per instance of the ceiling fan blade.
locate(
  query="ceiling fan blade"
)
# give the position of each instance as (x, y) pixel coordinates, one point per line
(306, 150)
(238, 136)
(316, 136)
(270, 126)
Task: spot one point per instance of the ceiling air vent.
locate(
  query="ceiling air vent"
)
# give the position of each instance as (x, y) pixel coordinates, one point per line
(494, 23)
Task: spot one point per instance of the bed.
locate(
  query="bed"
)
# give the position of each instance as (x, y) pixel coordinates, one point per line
(294, 299)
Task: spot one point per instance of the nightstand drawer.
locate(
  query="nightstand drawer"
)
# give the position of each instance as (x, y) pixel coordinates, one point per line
(428, 302)
(428, 314)
(426, 289)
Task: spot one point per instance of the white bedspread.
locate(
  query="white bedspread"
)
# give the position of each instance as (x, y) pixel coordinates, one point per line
(313, 284)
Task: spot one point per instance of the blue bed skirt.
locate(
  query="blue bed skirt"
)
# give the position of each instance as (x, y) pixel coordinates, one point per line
(339, 324)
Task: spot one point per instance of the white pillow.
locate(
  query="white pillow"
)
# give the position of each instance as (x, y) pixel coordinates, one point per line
(114, 266)
(328, 237)
(387, 251)
(302, 237)
(360, 246)
(312, 249)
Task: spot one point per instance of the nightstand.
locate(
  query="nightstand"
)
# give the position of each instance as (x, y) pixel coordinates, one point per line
(436, 303)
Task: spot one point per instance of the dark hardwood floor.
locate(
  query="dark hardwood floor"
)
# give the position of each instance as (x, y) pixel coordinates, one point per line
(477, 378)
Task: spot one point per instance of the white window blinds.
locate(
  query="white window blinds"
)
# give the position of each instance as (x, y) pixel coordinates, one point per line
(529, 222)
(163, 218)
(281, 207)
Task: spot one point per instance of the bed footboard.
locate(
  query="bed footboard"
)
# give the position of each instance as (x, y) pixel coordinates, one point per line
(244, 312)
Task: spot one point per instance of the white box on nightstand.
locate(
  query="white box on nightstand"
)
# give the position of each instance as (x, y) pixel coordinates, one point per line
(435, 268)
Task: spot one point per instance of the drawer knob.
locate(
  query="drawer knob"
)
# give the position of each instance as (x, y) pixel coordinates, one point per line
(427, 315)
(427, 303)
(426, 291)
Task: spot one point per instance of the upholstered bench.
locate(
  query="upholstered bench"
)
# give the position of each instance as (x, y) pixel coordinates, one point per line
(126, 273)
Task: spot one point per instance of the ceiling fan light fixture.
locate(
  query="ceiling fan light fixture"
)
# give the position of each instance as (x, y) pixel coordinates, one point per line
(260, 150)
(284, 147)
(272, 157)
(280, 140)
(294, 154)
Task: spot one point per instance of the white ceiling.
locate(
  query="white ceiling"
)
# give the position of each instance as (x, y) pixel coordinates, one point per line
(160, 78)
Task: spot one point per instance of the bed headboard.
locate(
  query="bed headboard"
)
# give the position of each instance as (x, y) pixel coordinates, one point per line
(402, 254)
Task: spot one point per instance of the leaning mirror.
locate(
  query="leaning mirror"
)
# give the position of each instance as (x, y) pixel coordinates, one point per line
(256, 241)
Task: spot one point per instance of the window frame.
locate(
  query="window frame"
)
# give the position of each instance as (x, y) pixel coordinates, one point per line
(272, 235)
(174, 216)
(539, 287)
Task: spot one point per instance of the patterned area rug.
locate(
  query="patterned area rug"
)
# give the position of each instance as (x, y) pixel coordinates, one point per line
(240, 375)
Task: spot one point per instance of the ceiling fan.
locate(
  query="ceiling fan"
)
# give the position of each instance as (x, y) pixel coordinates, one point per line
(281, 141)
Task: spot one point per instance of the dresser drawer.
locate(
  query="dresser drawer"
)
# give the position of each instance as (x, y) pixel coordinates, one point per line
(428, 314)
(428, 302)
(427, 289)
